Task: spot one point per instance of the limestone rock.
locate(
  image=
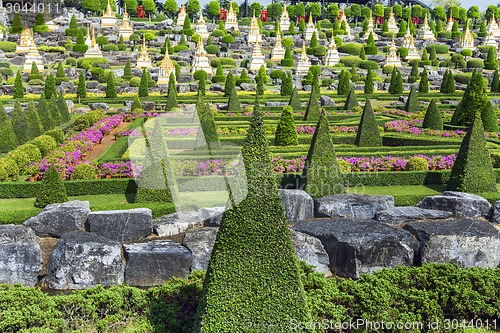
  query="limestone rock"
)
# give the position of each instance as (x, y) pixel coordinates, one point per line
(121, 225)
(459, 203)
(200, 242)
(310, 250)
(351, 205)
(212, 216)
(399, 215)
(298, 205)
(176, 223)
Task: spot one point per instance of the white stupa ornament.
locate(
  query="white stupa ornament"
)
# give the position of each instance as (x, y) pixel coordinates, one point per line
(278, 51)
(231, 19)
(254, 35)
(449, 25)
(412, 51)
(284, 19)
(371, 28)
(181, 16)
(33, 56)
(201, 27)
(166, 67)
(408, 37)
(93, 51)
(393, 25)
(108, 18)
(144, 60)
(332, 54)
(256, 59)
(125, 29)
(25, 41)
(490, 40)
(200, 61)
(304, 63)
(467, 40)
(392, 59)
(493, 27)
(426, 33)
(310, 29)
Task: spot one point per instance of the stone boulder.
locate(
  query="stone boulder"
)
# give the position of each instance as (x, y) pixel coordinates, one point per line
(97, 106)
(20, 255)
(495, 214)
(155, 262)
(121, 225)
(310, 250)
(212, 216)
(176, 223)
(463, 241)
(361, 246)
(352, 205)
(200, 242)
(326, 101)
(398, 215)
(82, 259)
(459, 203)
(298, 205)
(58, 219)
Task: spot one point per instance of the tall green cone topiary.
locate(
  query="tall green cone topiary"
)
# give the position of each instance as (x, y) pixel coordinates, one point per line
(233, 104)
(368, 134)
(369, 82)
(287, 61)
(144, 85)
(44, 114)
(111, 86)
(473, 171)
(202, 87)
(489, 117)
(50, 87)
(473, 100)
(294, 101)
(207, 134)
(314, 40)
(54, 111)
(127, 71)
(286, 132)
(156, 182)
(432, 119)
(34, 124)
(63, 107)
(81, 90)
(412, 103)
(18, 86)
(414, 74)
(286, 85)
(321, 169)
(370, 47)
(351, 101)
(35, 73)
(362, 54)
(8, 140)
(344, 83)
(52, 189)
(61, 74)
(17, 26)
(495, 82)
(136, 104)
(392, 84)
(20, 124)
(423, 87)
(450, 83)
(396, 85)
(312, 110)
(228, 86)
(267, 290)
(491, 59)
(172, 93)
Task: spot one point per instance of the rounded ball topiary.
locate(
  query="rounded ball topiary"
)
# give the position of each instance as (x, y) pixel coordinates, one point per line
(84, 171)
(417, 164)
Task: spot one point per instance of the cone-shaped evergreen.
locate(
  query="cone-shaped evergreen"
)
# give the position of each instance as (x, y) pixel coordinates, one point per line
(495, 83)
(54, 111)
(20, 124)
(228, 87)
(286, 132)
(144, 85)
(294, 101)
(233, 104)
(344, 83)
(489, 117)
(18, 86)
(432, 119)
(472, 101)
(50, 87)
(412, 103)
(52, 189)
(491, 59)
(312, 110)
(127, 71)
(63, 107)
(44, 114)
(207, 133)
(423, 87)
(81, 90)
(202, 87)
(8, 140)
(369, 82)
(473, 171)
(286, 85)
(136, 104)
(111, 86)
(396, 85)
(266, 291)
(35, 73)
(34, 123)
(60, 74)
(172, 93)
(321, 169)
(368, 134)
(352, 100)
(370, 47)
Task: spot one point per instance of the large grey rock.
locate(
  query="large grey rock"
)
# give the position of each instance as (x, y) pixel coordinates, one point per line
(155, 262)
(326, 101)
(97, 106)
(298, 205)
(361, 246)
(211, 216)
(176, 223)
(496, 212)
(216, 88)
(121, 225)
(247, 87)
(459, 203)
(82, 259)
(58, 219)
(352, 205)
(310, 250)
(20, 255)
(399, 215)
(200, 242)
(463, 241)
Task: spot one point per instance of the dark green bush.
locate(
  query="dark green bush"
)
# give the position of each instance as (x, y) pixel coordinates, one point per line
(368, 134)
(8, 46)
(440, 48)
(52, 189)
(286, 132)
(45, 143)
(57, 134)
(223, 61)
(351, 61)
(489, 118)
(351, 48)
(24, 155)
(432, 117)
(369, 64)
(475, 63)
(417, 164)
(110, 47)
(84, 172)
(9, 171)
(212, 49)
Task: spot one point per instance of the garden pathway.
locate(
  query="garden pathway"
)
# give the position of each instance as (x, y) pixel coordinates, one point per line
(107, 141)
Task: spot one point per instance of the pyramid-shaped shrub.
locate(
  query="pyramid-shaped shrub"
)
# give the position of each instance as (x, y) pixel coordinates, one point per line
(412, 103)
(352, 100)
(286, 132)
(432, 119)
(294, 101)
(368, 134)
(207, 133)
(473, 100)
(233, 104)
(52, 189)
(312, 111)
(489, 117)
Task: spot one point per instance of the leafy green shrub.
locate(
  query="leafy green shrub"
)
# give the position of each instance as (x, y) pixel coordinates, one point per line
(217, 33)
(368, 134)
(344, 166)
(432, 117)
(489, 117)
(403, 52)
(412, 103)
(179, 48)
(212, 49)
(463, 78)
(45, 143)
(57, 49)
(286, 132)
(223, 61)
(475, 63)
(88, 120)
(35, 82)
(417, 164)
(444, 34)
(84, 171)
(440, 48)
(110, 47)
(473, 100)
(351, 48)
(24, 155)
(57, 134)
(351, 61)
(94, 62)
(9, 171)
(135, 81)
(352, 100)
(387, 70)
(369, 64)
(8, 46)
(52, 189)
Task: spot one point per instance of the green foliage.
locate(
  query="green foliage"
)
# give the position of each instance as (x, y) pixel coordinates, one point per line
(423, 87)
(312, 110)
(34, 124)
(9, 170)
(286, 132)
(412, 103)
(491, 60)
(44, 114)
(287, 61)
(448, 84)
(87, 120)
(172, 93)
(369, 82)
(17, 26)
(495, 82)
(136, 104)
(286, 85)
(58, 134)
(20, 124)
(54, 110)
(24, 155)
(84, 171)
(344, 83)
(368, 134)
(473, 171)
(370, 47)
(18, 86)
(45, 144)
(111, 86)
(63, 107)
(396, 86)
(233, 104)
(475, 63)
(81, 91)
(229, 85)
(352, 100)
(352, 48)
(207, 134)
(294, 101)
(351, 61)
(144, 85)
(489, 117)
(50, 87)
(417, 164)
(432, 119)
(472, 101)
(8, 139)
(52, 189)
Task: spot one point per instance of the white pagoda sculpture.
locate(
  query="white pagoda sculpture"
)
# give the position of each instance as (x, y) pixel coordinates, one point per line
(200, 61)
(254, 35)
(343, 18)
(25, 41)
(408, 37)
(88, 39)
(332, 54)
(449, 25)
(393, 25)
(52, 25)
(467, 40)
(310, 29)
(144, 60)
(284, 19)
(490, 40)
(231, 19)
(125, 29)
(426, 33)
(201, 27)
(278, 51)
(412, 51)
(108, 18)
(93, 51)
(181, 16)
(493, 27)
(256, 59)
(391, 58)
(304, 63)
(166, 67)
(33, 56)
(370, 29)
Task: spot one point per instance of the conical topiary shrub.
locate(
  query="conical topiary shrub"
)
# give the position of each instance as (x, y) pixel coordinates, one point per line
(294, 101)
(233, 104)
(8, 140)
(432, 119)
(368, 134)
(352, 100)
(34, 123)
(20, 124)
(207, 136)
(473, 100)
(172, 93)
(52, 189)
(489, 117)
(412, 103)
(286, 132)
(473, 171)
(312, 110)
